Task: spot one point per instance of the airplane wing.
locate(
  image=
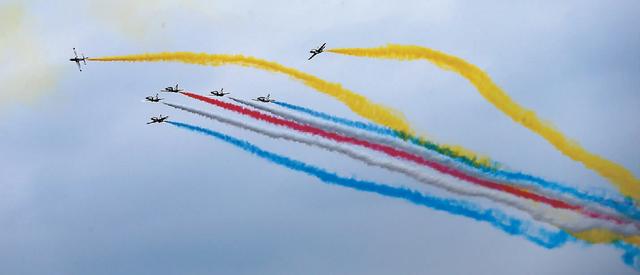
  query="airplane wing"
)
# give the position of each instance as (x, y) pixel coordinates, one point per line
(149, 122)
(322, 47)
(74, 52)
(79, 67)
(314, 54)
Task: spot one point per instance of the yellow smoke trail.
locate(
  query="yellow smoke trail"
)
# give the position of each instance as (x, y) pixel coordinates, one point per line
(605, 236)
(621, 177)
(356, 102)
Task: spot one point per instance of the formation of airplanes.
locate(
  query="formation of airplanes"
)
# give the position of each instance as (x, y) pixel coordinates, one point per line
(176, 89)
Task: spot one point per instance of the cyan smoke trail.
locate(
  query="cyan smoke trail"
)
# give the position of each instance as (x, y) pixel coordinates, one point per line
(631, 255)
(513, 226)
(564, 219)
(623, 206)
(402, 150)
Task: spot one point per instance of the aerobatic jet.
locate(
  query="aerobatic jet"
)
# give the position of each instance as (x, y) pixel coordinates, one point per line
(78, 59)
(171, 89)
(153, 98)
(219, 93)
(265, 99)
(317, 51)
(157, 119)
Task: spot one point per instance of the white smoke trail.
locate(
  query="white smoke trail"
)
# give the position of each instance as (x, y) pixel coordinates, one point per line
(558, 217)
(411, 148)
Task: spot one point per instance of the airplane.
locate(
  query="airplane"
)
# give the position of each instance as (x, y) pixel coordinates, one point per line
(157, 120)
(171, 89)
(153, 99)
(78, 59)
(220, 93)
(266, 99)
(317, 51)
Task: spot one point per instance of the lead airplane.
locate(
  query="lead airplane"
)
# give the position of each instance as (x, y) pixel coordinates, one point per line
(264, 99)
(317, 51)
(78, 59)
(220, 93)
(158, 119)
(171, 89)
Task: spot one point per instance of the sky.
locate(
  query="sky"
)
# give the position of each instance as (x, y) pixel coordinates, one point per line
(87, 188)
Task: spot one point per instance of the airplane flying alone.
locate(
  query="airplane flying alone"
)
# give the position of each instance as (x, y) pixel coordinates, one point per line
(158, 119)
(219, 93)
(171, 89)
(264, 99)
(153, 99)
(317, 51)
(78, 59)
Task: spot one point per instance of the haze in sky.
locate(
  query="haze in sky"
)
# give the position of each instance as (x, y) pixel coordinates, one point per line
(87, 188)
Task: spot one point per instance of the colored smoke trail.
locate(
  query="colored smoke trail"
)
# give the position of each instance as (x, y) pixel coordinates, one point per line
(496, 218)
(393, 152)
(631, 256)
(621, 205)
(558, 218)
(621, 177)
(381, 130)
(356, 102)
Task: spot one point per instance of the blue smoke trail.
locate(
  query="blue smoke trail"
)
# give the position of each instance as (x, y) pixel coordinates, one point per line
(497, 218)
(631, 255)
(627, 207)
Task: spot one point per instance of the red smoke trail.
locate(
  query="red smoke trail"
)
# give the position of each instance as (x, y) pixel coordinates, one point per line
(404, 155)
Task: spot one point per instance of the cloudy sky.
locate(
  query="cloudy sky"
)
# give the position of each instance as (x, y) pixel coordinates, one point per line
(87, 188)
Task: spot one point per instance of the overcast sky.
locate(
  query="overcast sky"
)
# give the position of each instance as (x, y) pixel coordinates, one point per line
(87, 188)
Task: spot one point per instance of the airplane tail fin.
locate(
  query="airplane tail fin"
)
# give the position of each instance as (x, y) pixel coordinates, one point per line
(84, 59)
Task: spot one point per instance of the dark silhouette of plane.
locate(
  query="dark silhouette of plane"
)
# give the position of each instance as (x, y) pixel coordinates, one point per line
(265, 99)
(317, 51)
(153, 98)
(78, 59)
(219, 93)
(158, 119)
(171, 89)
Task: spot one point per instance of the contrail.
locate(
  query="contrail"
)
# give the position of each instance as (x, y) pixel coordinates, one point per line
(385, 131)
(511, 225)
(567, 220)
(621, 205)
(621, 177)
(393, 152)
(357, 103)
(631, 255)
(373, 139)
